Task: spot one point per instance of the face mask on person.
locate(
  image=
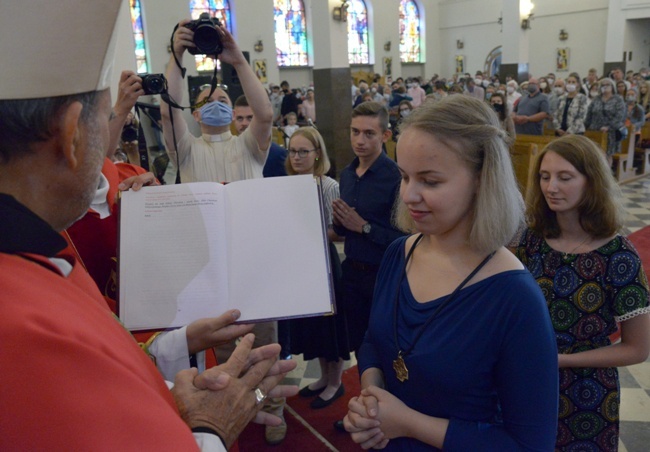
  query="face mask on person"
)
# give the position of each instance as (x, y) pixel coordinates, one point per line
(532, 88)
(478, 81)
(571, 87)
(488, 96)
(486, 83)
(500, 91)
(631, 99)
(373, 90)
(593, 93)
(606, 89)
(216, 114)
(543, 85)
(404, 113)
(274, 95)
(362, 90)
(559, 90)
(510, 89)
(551, 81)
(498, 108)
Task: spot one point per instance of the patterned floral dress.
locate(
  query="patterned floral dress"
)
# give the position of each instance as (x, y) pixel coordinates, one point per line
(586, 295)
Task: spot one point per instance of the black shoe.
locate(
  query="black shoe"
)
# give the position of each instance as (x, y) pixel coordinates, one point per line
(319, 402)
(306, 392)
(338, 425)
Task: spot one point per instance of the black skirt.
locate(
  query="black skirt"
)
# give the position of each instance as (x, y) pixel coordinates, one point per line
(325, 336)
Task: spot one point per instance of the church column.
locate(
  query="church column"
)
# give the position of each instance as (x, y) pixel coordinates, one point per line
(614, 41)
(332, 81)
(515, 59)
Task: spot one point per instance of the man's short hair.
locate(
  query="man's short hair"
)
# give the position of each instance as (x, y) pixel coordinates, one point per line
(241, 101)
(373, 109)
(28, 121)
(284, 83)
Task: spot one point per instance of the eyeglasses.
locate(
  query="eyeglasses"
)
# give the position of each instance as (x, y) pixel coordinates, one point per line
(301, 153)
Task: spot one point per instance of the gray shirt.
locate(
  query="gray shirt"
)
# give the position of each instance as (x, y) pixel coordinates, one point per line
(529, 106)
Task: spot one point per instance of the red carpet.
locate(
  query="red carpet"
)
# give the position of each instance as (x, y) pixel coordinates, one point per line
(299, 437)
(641, 240)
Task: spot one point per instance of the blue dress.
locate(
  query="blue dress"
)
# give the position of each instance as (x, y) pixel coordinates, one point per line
(586, 295)
(488, 362)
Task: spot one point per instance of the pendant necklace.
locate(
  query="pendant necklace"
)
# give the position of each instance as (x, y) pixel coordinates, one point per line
(566, 255)
(399, 365)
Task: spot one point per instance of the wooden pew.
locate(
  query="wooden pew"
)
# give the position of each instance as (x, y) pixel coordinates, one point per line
(598, 137)
(391, 148)
(642, 155)
(539, 140)
(624, 161)
(277, 136)
(523, 156)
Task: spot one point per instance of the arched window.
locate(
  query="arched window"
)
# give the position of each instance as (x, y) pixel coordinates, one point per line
(358, 32)
(409, 32)
(290, 33)
(216, 8)
(138, 36)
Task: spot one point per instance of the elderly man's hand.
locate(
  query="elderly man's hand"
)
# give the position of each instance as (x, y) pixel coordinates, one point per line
(211, 332)
(233, 404)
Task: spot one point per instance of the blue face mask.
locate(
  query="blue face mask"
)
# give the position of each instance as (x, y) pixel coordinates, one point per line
(216, 114)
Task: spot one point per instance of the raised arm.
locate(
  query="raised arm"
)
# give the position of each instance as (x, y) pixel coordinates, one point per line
(183, 38)
(129, 89)
(255, 93)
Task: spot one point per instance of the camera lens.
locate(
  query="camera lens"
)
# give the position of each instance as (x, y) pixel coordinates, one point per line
(154, 84)
(207, 40)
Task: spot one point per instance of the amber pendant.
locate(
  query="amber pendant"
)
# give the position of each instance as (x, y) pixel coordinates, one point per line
(399, 366)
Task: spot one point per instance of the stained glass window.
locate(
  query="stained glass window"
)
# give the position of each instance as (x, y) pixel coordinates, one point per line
(138, 36)
(409, 32)
(216, 8)
(358, 33)
(290, 33)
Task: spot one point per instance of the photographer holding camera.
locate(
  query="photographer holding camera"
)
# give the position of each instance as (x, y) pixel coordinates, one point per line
(216, 156)
(129, 90)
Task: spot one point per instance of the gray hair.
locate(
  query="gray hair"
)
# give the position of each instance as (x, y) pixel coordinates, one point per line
(28, 121)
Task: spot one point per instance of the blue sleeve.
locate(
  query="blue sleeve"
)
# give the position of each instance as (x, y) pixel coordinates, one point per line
(529, 393)
(544, 106)
(340, 230)
(380, 234)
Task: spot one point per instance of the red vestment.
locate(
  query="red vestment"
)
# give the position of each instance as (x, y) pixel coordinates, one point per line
(71, 377)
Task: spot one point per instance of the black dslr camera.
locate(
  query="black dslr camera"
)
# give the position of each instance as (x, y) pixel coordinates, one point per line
(206, 35)
(154, 84)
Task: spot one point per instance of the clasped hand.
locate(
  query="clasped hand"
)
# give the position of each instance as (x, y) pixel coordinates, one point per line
(347, 216)
(375, 417)
(223, 398)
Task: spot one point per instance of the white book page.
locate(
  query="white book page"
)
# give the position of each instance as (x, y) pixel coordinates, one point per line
(279, 263)
(173, 255)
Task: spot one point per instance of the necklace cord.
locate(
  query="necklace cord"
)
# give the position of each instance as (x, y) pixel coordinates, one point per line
(403, 353)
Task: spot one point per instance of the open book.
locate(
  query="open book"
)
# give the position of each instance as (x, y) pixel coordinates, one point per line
(195, 250)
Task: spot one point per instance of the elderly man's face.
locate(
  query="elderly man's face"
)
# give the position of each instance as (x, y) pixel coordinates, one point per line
(92, 143)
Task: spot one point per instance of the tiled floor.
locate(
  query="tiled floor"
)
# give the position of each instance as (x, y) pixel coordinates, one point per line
(635, 380)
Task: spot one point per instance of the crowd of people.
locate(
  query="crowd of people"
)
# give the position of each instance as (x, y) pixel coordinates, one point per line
(456, 336)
